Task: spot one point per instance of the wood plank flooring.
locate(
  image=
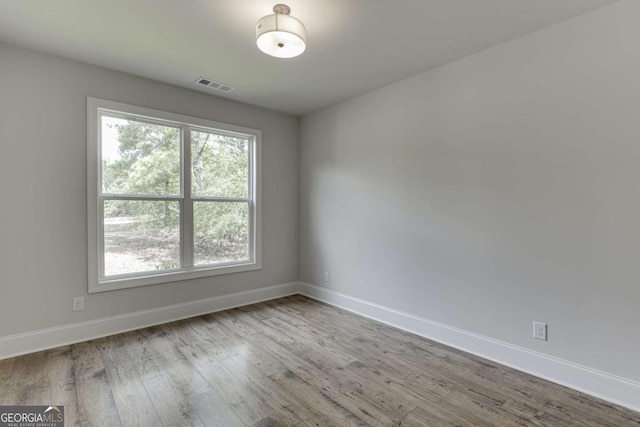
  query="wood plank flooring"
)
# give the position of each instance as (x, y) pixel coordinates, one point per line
(289, 362)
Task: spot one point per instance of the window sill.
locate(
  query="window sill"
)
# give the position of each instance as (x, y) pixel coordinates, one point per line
(109, 284)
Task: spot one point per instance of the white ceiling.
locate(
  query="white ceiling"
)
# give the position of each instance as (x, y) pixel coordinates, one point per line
(354, 46)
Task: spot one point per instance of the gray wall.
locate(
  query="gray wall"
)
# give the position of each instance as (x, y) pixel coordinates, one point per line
(493, 191)
(43, 219)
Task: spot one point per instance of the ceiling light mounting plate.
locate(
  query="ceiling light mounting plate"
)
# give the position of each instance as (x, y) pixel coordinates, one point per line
(281, 9)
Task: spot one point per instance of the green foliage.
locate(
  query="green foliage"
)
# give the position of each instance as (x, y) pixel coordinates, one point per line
(220, 231)
(220, 165)
(167, 265)
(148, 163)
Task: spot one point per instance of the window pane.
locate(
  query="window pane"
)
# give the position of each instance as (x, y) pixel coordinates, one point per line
(221, 232)
(220, 165)
(140, 158)
(141, 236)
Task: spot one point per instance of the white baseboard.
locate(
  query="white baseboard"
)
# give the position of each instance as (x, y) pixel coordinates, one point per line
(44, 339)
(590, 381)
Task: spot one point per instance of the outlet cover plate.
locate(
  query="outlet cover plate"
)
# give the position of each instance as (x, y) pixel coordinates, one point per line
(78, 304)
(540, 331)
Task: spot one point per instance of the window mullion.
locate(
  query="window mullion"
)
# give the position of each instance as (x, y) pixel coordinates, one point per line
(141, 198)
(221, 199)
(252, 199)
(187, 203)
(100, 208)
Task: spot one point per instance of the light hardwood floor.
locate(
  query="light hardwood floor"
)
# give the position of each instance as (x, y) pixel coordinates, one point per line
(292, 361)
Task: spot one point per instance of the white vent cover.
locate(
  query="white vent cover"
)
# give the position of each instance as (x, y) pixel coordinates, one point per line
(222, 87)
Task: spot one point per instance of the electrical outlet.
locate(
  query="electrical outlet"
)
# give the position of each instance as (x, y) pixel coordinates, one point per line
(327, 277)
(540, 331)
(78, 304)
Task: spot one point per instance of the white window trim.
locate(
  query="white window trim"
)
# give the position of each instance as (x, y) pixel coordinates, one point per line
(94, 221)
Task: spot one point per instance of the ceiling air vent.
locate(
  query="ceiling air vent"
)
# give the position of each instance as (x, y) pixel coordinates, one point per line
(212, 84)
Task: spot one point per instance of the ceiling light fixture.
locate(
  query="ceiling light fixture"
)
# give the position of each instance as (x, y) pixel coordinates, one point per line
(281, 35)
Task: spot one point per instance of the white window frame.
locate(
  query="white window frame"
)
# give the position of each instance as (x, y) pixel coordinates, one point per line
(95, 222)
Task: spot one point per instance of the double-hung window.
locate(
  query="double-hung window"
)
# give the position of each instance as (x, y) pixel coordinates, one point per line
(170, 197)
